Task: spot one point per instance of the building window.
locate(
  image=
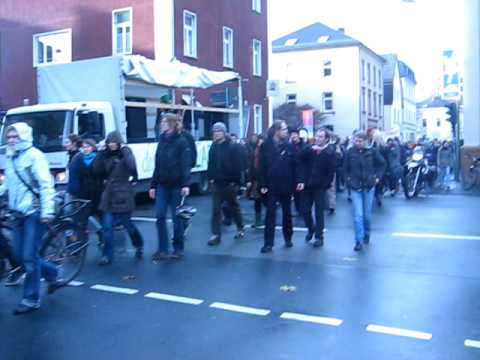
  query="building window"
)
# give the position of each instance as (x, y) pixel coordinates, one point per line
(327, 99)
(327, 68)
(227, 47)
(374, 76)
(363, 99)
(52, 48)
(380, 106)
(257, 119)
(257, 57)
(189, 34)
(291, 99)
(122, 31)
(257, 6)
(363, 70)
(369, 75)
(379, 79)
(369, 102)
(374, 104)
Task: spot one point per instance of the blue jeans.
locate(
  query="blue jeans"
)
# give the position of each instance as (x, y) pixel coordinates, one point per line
(362, 213)
(28, 232)
(110, 220)
(164, 197)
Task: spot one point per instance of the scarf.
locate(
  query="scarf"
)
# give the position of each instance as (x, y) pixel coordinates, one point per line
(88, 159)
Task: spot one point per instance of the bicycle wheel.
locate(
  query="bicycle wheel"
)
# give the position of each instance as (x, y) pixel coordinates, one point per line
(66, 246)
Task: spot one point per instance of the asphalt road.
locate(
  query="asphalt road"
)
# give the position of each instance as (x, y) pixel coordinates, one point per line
(412, 294)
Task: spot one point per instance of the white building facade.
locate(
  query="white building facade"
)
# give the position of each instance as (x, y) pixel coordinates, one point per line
(333, 73)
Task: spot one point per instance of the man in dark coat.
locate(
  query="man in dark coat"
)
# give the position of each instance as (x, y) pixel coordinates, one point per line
(318, 170)
(169, 183)
(363, 167)
(225, 173)
(298, 146)
(277, 180)
(116, 165)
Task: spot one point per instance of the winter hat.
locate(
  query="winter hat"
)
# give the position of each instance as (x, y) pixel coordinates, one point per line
(114, 137)
(90, 142)
(219, 126)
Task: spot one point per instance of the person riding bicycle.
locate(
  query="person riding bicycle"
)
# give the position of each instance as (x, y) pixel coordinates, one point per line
(31, 197)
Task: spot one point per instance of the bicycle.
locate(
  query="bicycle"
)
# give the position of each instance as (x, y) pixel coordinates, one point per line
(471, 177)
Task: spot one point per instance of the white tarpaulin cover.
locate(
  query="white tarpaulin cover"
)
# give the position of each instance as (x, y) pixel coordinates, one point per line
(173, 74)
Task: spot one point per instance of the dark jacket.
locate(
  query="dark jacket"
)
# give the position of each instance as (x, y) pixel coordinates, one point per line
(317, 168)
(225, 163)
(83, 182)
(363, 167)
(173, 162)
(277, 167)
(393, 157)
(116, 168)
(192, 147)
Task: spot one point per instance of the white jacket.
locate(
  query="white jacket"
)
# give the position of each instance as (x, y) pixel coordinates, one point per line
(33, 167)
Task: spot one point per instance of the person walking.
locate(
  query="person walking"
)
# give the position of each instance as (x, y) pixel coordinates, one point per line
(225, 167)
(318, 170)
(31, 196)
(83, 183)
(173, 163)
(364, 167)
(394, 166)
(253, 189)
(444, 163)
(116, 166)
(277, 182)
(298, 146)
(73, 143)
(331, 193)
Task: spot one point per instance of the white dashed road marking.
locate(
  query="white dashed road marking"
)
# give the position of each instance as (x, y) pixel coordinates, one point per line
(240, 309)
(173, 298)
(436, 236)
(399, 332)
(75, 283)
(312, 319)
(472, 343)
(114, 289)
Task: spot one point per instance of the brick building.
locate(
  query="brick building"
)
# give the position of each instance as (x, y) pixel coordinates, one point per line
(213, 34)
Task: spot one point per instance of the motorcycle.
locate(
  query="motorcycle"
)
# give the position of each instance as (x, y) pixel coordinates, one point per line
(416, 174)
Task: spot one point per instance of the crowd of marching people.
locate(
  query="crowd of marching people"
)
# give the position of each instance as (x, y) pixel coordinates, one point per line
(278, 169)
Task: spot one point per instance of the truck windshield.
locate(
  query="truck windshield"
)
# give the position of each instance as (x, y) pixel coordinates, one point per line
(49, 128)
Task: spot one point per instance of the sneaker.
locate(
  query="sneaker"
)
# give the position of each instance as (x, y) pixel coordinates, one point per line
(366, 239)
(288, 243)
(159, 256)
(104, 260)
(22, 309)
(214, 240)
(139, 253)
(14, 277)
(318, 243)
(309, 236)
(176, 254)
(266, 249)
(357, 247)
(240, 234)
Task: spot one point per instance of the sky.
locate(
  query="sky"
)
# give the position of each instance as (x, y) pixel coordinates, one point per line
(418, 31)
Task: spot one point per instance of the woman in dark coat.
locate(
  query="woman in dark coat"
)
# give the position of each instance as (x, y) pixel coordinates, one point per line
(116, 166)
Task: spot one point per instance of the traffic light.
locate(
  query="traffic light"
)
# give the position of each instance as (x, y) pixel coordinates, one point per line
(452, 114)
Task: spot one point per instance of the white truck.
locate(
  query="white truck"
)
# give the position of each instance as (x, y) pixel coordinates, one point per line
(94, 97)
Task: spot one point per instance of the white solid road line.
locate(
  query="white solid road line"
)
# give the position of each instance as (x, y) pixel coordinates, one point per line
(313, 319)
(436, 236)
(75, 283)
(114, 289)
(174, 298)
(240, 309)
(472, 343)
(399, 332)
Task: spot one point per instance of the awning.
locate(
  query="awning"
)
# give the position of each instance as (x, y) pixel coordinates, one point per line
(173, 74)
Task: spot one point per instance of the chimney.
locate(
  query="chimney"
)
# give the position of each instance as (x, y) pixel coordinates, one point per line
(342, 30)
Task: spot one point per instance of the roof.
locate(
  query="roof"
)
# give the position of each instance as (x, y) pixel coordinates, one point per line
(316, 36)
(406, 72)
